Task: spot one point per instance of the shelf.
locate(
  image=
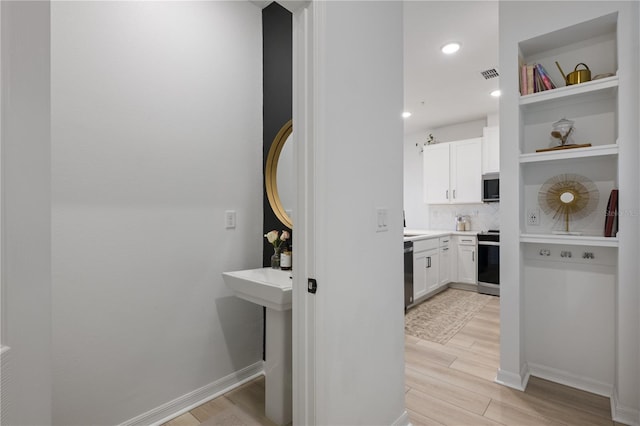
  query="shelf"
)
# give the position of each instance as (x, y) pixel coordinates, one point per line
(569, 91)
(574, 240)
(592, 151)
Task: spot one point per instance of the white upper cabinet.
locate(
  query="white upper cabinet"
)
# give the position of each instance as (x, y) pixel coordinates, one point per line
(466, 171)
(436, 174)
(491, 150)
(453, 172)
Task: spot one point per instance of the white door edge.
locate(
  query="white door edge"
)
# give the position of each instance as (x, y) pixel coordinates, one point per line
(304, 131)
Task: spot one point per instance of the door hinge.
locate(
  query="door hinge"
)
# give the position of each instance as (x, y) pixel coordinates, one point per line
(312, 286)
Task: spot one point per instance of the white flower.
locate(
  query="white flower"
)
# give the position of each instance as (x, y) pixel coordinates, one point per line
(272, 236)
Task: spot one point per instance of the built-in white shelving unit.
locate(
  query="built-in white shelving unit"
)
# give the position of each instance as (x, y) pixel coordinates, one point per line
(569, 306)
(586, 88)
(574, 153)
(576, 240)
(593, 106)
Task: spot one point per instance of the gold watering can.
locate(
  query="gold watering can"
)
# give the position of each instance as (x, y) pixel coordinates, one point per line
(576, 76)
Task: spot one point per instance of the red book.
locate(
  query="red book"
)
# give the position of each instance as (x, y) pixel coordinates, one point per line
(610, 222)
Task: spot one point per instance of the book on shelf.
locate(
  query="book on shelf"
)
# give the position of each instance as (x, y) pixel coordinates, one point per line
(534, 78)
(546, 78)
(522, 77)
(611, 216)
(523, 80)
(539, 86)
(530, 80)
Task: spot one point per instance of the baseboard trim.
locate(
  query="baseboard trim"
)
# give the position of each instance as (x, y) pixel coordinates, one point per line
(7, 375)
(514, 380)
(181, 405)
(621, 414)
(463, 286)
(570, 379)
(403, 420)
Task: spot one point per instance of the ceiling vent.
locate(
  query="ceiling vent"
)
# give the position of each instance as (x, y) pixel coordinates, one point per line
(489, 74)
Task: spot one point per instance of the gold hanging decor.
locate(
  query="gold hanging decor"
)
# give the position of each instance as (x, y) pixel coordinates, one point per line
(568, 196)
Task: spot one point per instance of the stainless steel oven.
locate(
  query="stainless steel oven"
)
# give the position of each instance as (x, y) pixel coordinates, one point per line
(489, 262)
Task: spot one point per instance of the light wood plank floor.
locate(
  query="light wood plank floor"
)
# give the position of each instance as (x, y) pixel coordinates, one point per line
(449, 384)
(243, 406)
(452, 384)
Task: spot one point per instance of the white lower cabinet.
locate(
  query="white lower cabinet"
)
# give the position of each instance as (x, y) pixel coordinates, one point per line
(446, 264)
(440, 261)
(425, 267)
(467, 258)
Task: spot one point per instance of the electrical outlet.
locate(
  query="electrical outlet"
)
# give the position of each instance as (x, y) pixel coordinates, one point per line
(533, 217)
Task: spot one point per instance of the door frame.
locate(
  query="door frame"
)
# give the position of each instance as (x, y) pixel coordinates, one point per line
(305, 82)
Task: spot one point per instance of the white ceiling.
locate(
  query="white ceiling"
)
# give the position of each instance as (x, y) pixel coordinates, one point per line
(441, 89)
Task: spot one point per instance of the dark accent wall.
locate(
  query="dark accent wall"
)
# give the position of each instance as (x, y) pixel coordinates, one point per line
(277, 60)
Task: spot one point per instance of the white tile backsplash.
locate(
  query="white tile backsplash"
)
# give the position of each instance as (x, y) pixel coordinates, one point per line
(482, 216)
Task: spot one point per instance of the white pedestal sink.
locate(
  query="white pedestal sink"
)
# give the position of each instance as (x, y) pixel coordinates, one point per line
(271, 288)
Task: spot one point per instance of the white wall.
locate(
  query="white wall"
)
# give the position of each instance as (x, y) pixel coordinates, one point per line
(156, 130)
(26, 223)
(459, 131)
(568, 305)
(415, 209)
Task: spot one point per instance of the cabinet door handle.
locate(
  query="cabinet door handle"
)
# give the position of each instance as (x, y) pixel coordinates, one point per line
(454, 194)
(473, 256)
(445, 248)
(447, 194)
(429, 262)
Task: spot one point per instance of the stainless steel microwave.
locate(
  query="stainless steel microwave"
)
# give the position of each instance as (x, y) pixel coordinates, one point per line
(491, 187)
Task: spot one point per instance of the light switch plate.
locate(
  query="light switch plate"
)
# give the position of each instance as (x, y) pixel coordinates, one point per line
(382, 218)
(230, 219)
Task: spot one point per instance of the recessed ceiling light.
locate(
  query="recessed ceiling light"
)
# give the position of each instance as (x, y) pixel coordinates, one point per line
(406, 114)
(450, 48)
(496, 93)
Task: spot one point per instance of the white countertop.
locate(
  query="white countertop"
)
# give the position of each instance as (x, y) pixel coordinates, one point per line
(423, 234)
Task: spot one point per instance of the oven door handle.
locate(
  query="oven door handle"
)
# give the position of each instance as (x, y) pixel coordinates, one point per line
(488, 243)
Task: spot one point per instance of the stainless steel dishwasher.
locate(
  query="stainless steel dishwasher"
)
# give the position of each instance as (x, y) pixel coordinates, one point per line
(408, 274)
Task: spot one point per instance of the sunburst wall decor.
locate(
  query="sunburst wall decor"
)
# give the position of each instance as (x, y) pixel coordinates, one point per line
(568, 196)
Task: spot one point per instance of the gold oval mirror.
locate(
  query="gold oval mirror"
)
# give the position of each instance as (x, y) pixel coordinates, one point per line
(282, 181)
